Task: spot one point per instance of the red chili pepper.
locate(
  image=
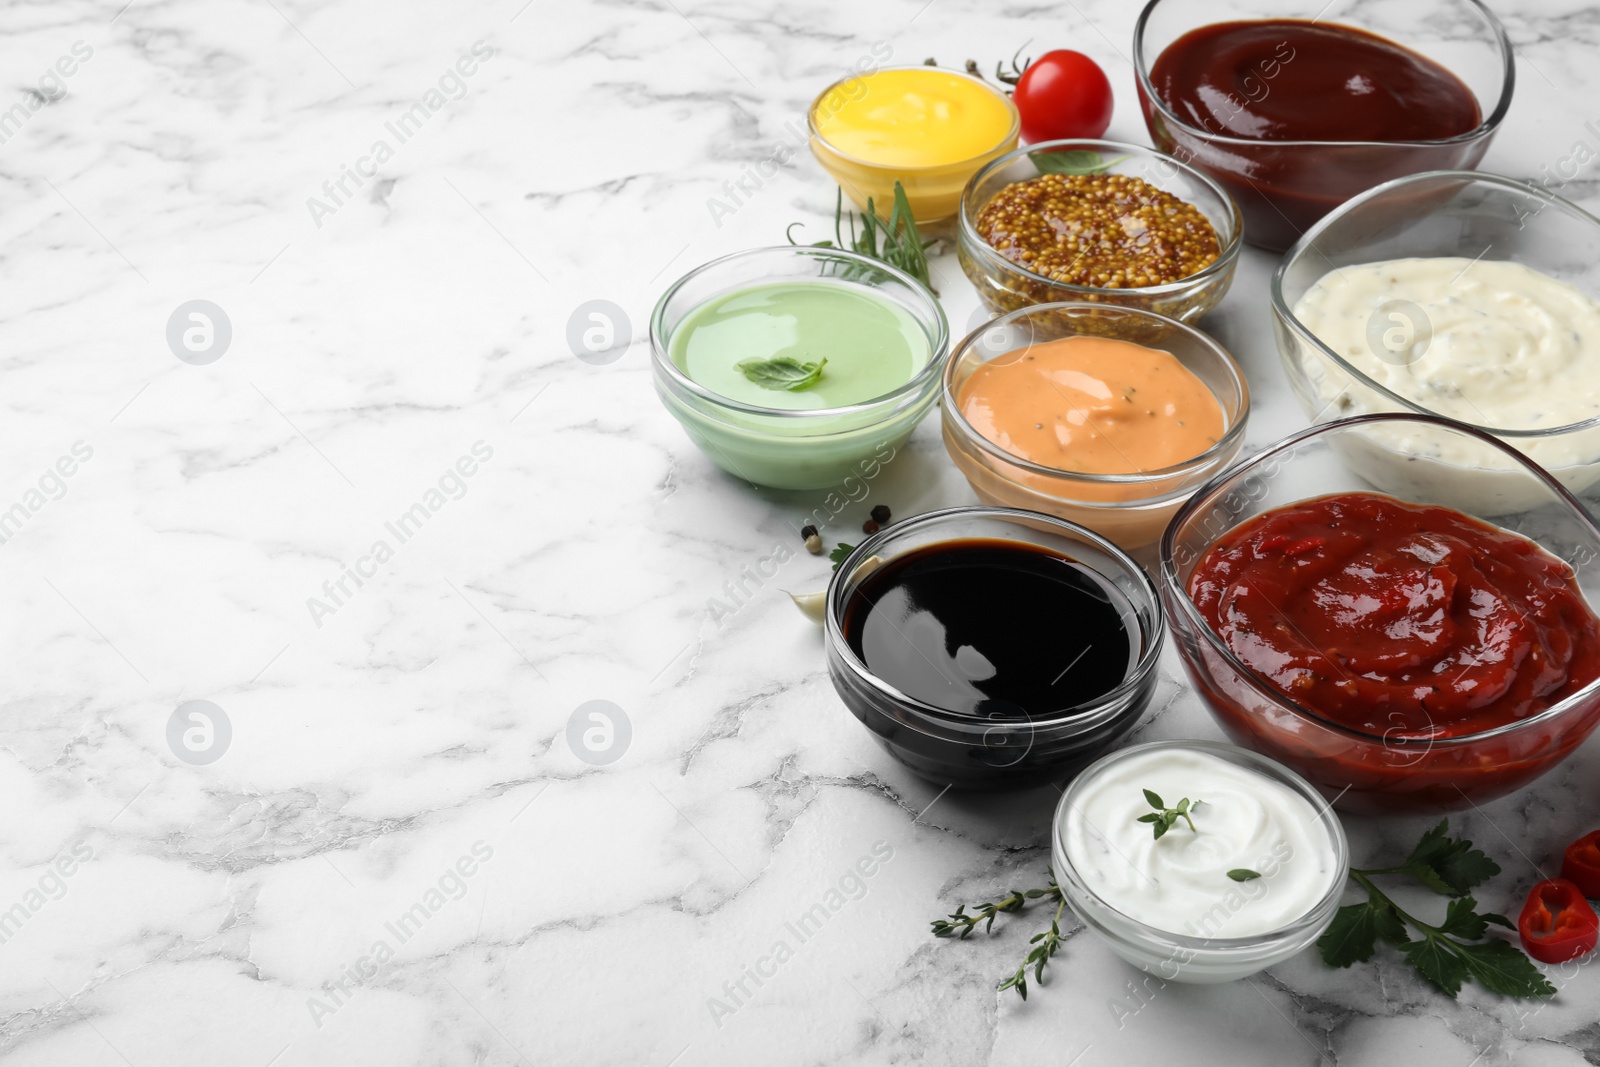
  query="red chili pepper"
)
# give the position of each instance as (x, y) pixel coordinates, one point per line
(1557, 924)
(1581, 864)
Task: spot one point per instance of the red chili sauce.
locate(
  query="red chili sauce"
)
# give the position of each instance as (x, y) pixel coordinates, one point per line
(1397, 619)
(1296, 80)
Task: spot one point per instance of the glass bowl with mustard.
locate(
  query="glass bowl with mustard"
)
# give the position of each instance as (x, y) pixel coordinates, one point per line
(1098, 222)
(1101, 415)
(927, 128)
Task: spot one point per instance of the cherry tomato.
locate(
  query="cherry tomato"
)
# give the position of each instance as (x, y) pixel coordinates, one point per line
(1556, 923)
(1581, 864)
(1063, 94)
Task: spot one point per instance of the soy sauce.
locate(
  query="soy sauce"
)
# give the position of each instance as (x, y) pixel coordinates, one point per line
(993, 629)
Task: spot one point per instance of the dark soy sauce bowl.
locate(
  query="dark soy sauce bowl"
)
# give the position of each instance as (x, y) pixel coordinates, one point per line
(1011, 748)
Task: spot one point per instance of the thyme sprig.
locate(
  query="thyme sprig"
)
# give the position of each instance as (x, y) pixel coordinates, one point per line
(1163, 818)
(960, 924)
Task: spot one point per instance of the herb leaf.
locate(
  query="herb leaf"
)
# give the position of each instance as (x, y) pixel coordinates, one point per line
(1351, 938)
(1500, 968)
(1073, 161)
(782, 372)
(1437, 963)
(1461, 919)
(1154, 799)
(1243, 874)
(840, 553)
(1449, 865)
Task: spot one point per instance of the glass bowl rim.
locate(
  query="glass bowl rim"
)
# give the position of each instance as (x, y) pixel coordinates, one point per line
(1502, 185)
(1227, 255)
(1285, 775)
(939, 342)
(1012, 132)
(1229, 439)
(1485, 128)
(1092, 712)
(1202, 497)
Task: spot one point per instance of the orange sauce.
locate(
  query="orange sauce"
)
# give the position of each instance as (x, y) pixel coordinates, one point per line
(1093, 405)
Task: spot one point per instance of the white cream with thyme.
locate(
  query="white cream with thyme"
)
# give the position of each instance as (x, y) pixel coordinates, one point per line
(1180, 883)
(1498, 344)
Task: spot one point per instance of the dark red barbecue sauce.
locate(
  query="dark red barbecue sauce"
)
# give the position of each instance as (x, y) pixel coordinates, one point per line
(1296, 80)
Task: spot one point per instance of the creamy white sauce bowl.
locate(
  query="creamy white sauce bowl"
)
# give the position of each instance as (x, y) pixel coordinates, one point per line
(1168, 906)
(1472, 217)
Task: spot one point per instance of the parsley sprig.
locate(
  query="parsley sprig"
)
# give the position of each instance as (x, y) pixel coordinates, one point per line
(960, 924)
(1446, 954)
(840, 553)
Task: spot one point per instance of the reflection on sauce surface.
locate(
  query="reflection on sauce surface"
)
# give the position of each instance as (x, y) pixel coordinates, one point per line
(1296, 80)
(994, 629)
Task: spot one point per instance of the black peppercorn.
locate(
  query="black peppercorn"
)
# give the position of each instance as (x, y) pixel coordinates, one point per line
(880, 514)
(807, 531)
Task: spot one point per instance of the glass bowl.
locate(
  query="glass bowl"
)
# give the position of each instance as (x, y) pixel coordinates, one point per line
(1200, 960)
(1006, 286)
(1130, 509)
(934, 192)
(1001, 751)
(785, 448)
(1285, 186)
(1474, 216)
(1366, 772)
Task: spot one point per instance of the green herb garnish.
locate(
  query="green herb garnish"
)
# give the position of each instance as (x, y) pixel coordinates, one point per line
(1451, 952)
(1045, 944)
(1163, 818)
(782, 372)
(1074, 161)
(1243, 874)
(895, 241)
(840, 553)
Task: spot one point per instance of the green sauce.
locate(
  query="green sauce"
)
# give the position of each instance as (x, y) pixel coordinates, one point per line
(872, 344)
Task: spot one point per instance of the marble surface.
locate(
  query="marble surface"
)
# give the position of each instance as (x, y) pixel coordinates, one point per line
(378, 846)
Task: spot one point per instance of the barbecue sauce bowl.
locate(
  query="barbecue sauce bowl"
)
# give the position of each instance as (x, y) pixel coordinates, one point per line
(1285, 183)
(993, 648)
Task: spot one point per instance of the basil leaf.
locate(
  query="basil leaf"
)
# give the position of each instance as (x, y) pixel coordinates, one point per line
(782, 372)
(1073, 161)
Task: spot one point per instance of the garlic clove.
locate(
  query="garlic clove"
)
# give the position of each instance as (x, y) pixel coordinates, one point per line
(811, 605)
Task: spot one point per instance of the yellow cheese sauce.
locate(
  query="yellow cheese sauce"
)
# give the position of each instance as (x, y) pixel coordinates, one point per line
(916, 117)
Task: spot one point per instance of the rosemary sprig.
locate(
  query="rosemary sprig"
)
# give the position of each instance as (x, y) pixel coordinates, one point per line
(960, 924)
(895, 241)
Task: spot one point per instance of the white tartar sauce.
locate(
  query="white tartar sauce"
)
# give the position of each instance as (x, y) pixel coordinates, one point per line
(1497, 343)
(1179, 883)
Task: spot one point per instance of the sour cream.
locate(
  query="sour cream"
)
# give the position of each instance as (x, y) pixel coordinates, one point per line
(1179, 883)
(1488, 342)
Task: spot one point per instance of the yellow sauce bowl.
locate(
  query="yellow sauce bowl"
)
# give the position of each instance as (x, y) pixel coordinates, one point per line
(927, 128)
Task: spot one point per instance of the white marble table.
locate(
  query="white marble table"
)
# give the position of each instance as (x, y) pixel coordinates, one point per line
(393, 855)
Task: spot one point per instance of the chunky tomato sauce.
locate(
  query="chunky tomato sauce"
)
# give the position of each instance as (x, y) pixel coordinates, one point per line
(1396, 619)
